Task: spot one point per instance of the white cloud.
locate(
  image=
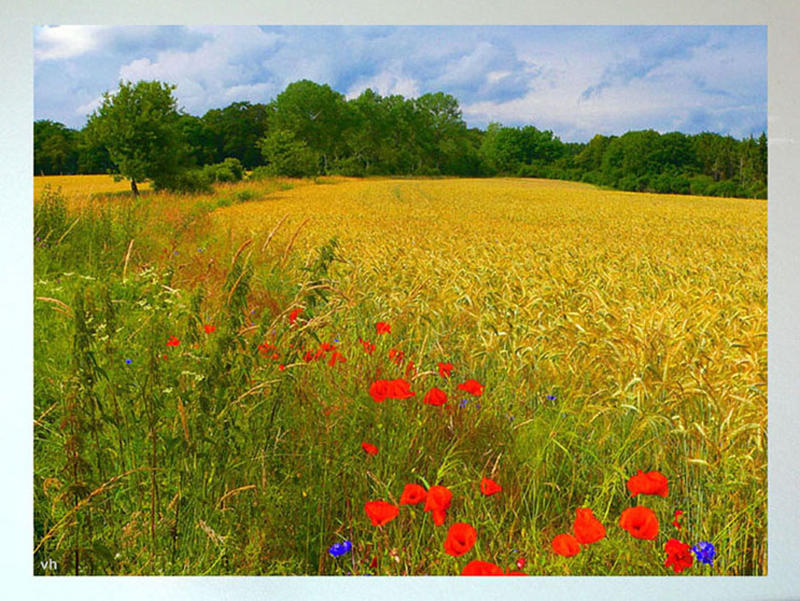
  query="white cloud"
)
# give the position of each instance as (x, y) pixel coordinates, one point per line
(206, 76)
(66, 41)
(387, 83)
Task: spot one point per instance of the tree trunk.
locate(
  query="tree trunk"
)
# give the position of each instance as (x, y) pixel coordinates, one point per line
(134, 189)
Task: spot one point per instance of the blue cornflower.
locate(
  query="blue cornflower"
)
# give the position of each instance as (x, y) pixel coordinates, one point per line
(128, 361)
(551, 397)
(339, 549)
(478, 406)
(463, 403)
(704, 551)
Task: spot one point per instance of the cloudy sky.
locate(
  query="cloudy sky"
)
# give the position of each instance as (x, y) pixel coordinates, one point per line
(576, 81)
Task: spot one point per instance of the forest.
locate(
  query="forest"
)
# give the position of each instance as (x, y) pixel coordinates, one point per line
(310, 129)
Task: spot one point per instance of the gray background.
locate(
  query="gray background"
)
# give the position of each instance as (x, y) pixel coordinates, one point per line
(16, 191)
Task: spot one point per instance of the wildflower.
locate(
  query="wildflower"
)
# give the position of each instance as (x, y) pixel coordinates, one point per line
(173, 341)
(438, 501)
(383, 328)
(396, 356)
(399, 389)
(293, 316)
(281, 367)
(380, 512)
(651, 483)
(336, 357)
(566, 545)
(368, 346)
(413, 494)
(369, 449)
(473, 387)
(481, 568)
(264, 348)
(410, 369)
(490, 487)
(128, 361)
(521, 563)
(640, 522)
(460, 539)
(435, 397)
(339, 549)
(209, 328)
(463, 403)
(327, 346)
(379, 390)
(678, 555)
(445, 369)
(675, 522)
(586, 527)
(514, 573)
(551, 397)
(704, 551)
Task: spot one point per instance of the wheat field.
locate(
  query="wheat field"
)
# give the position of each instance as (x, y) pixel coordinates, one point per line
(611, 332)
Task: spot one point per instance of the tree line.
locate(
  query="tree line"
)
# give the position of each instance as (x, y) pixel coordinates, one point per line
(310, 129)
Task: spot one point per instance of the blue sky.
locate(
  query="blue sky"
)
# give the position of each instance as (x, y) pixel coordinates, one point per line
(575, 81)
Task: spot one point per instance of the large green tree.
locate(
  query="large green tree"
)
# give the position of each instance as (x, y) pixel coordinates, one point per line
(139, 125)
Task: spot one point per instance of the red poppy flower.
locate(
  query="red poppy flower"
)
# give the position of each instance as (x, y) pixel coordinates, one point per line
(473, 387)
(370, 449)
(209, 328)
(587, 528)
(308, 356)
(368, 347)
(437, 501)
(281, 367)
(173, 341)
(413, 494)
(651, 483)
(379, 390)
(445, 369)
(490, 487)
(521, 563)
(327, 346)
(566, 545)
(641, 522)
(515, 573)
(410, 369)
(383, 328)
(381, 512)
(336, 357)
(396, 356)
(264, 348)
(293, 316)
(675, 522)
(678, 555)
(481, 568)
(435, 397)
(399, 389)
(460, 539)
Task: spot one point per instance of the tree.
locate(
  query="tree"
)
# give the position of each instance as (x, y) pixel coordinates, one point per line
(315, 114)
(55, 148)
(287, 156)
(234, 131)
(139, 125)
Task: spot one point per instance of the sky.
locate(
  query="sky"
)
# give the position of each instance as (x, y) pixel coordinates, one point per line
(576, 81)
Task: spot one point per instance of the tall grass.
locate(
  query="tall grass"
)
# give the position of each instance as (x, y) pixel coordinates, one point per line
(612, 331)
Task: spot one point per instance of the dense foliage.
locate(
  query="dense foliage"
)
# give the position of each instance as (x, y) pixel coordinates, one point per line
(310, 129)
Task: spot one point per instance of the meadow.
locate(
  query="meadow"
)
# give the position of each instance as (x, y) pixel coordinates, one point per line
(207, 369)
